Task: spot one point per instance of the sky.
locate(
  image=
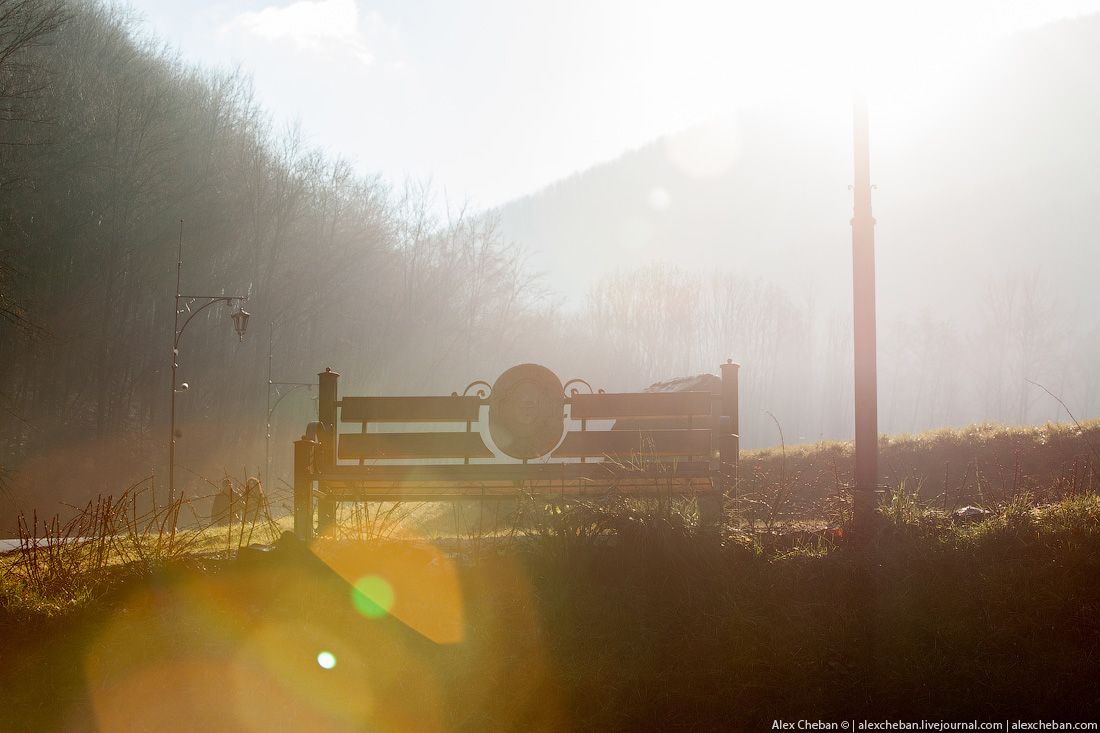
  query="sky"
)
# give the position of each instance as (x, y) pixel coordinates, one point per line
(490, 100)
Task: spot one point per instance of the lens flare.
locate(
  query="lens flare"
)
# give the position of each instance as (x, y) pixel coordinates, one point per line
(372, 596)
(326, 660)
(420, 581)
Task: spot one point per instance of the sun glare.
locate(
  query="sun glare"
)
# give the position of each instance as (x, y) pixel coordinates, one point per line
(806, 51)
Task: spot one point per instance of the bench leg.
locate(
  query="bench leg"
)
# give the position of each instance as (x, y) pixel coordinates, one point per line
(303, 490)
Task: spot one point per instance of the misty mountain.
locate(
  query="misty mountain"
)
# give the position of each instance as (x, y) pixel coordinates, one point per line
(991, 176)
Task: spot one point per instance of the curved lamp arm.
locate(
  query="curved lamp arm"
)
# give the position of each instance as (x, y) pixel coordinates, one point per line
(294, 387)
(213, 299)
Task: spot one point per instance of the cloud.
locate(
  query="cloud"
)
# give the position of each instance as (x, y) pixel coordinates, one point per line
(317, 26)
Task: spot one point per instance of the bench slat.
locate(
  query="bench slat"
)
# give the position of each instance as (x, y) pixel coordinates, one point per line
(547, 492)
(640, 443)
(356, 446)
(639, 404)
(483, 473)
(409, 409)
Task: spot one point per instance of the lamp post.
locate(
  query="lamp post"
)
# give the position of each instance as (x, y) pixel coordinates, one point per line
(240, 324)
(272, 388)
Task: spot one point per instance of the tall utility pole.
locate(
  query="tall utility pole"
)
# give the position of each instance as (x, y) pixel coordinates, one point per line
(866, 367)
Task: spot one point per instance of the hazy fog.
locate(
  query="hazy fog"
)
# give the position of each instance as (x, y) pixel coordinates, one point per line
(986, 237)
(728, 239)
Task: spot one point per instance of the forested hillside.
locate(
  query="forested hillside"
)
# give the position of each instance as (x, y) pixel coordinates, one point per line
(111, 142)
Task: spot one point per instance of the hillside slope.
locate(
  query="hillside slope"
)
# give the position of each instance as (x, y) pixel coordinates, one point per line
(992, 175)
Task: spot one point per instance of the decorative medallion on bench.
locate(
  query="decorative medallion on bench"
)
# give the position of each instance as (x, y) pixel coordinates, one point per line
(526, 411)
(529, 436)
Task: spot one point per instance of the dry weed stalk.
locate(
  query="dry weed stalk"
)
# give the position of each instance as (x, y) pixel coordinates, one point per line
(62, 557)
(58, 558)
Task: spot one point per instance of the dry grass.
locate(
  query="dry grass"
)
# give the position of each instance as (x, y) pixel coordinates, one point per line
(63, 564)
(985, 465)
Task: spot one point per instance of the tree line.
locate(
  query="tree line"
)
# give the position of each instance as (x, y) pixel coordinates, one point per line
(108, 141)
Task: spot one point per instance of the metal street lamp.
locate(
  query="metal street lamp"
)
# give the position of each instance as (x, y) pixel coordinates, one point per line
(272, 389)
(240, 323)
(240, 320)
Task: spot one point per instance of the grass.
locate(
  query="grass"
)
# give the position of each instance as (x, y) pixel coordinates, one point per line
(64, 564)
(614, 616)
(982, 464)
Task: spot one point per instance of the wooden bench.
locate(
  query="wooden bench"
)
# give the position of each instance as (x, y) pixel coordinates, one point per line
(527, 434)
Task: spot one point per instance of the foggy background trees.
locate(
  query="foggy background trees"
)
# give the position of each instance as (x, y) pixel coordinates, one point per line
(118, 144)
(107, 140)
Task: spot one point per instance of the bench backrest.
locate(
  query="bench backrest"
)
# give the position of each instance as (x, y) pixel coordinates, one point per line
(527, 415)
(419, 445)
